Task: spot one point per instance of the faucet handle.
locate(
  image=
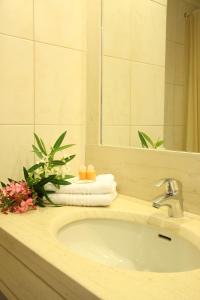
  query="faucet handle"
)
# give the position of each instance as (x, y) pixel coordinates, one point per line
(161, 182)
(172, 185)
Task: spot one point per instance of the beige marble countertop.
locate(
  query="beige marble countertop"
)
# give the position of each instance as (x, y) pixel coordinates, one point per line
(31, 238)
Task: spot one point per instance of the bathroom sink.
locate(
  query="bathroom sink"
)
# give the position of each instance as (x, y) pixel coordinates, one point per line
(129, 245)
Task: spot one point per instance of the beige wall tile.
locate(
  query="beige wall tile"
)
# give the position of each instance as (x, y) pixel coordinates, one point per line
(117, 28)
(75, 135)
(61, 22)
(94, 67)
(175, 71)
(171, 19)
(16, 150)
(169, 137)
(178, 138)
(116, 91)
(148, 32)
(192, 203)
(154, 132)
(179, 105)
(179, 64)
(116, 135)
(169, 104)
(16, 18)
(59, 84)
(182, 8)
(16, 77)
(147, 94)
(170, 62)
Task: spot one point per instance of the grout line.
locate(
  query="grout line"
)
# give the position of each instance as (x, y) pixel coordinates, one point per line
(101, 76)
(41, 42)
(15, 36)
(56, 124)
(175, 42)
(131, 91)
(164, 5)
(34, 74)
(161, 125)
(175, 84)
(9, 124)
(134, 61)
(130, 125)
(61, 46)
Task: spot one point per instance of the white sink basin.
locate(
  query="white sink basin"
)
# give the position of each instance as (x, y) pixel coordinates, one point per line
(129, 245)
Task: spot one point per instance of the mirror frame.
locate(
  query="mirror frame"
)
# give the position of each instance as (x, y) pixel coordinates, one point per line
(94, 79)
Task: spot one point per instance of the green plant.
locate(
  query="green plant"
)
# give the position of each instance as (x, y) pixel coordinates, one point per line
(49, 169)
(21, 196)
(146, 141)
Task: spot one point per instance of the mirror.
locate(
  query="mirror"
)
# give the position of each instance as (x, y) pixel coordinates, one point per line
(151, 74)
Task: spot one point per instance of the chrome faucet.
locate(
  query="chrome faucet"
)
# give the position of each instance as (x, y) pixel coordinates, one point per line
(173, 197)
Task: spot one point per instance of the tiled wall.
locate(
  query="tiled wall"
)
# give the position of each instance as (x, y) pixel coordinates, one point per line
(133, 70)
(42, 78)
(175, 76)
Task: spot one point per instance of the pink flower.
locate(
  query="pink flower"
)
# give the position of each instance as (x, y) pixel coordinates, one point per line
(29, 201)
(19, 195)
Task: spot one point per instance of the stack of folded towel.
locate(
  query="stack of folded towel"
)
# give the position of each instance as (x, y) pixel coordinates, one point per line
(98, 193)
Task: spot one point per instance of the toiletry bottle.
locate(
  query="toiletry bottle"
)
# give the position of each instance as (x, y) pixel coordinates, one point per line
(82, 172)
(90, 174)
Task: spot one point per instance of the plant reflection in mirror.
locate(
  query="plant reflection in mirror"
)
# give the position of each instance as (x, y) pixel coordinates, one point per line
(147, 142)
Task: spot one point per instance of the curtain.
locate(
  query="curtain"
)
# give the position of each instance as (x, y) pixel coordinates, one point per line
(193, 81)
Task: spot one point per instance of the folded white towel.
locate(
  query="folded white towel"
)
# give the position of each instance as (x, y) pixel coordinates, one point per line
(83, 200)
(105, 177)
(104, 184)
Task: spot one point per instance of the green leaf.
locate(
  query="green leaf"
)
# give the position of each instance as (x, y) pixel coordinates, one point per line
(147, 138)
(35, 167)
(47, 197)
(142, 140)
(37, 151)
(49, 200)
(43, 145)
(38, 189)
(60, 182)
(67, 159)
(3, 185)
(68, 176)
(40, 202)
(59, 140)
(64, 147)
(45, 180)
(40, 144)
(57, 163)
(26, 176)
(11, 180)
(53, 151)
(159, 143)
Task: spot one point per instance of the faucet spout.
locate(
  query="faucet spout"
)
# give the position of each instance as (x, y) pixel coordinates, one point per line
(160, 201)
(172, 198)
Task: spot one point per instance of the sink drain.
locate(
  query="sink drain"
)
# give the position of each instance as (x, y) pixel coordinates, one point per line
(164, 237)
